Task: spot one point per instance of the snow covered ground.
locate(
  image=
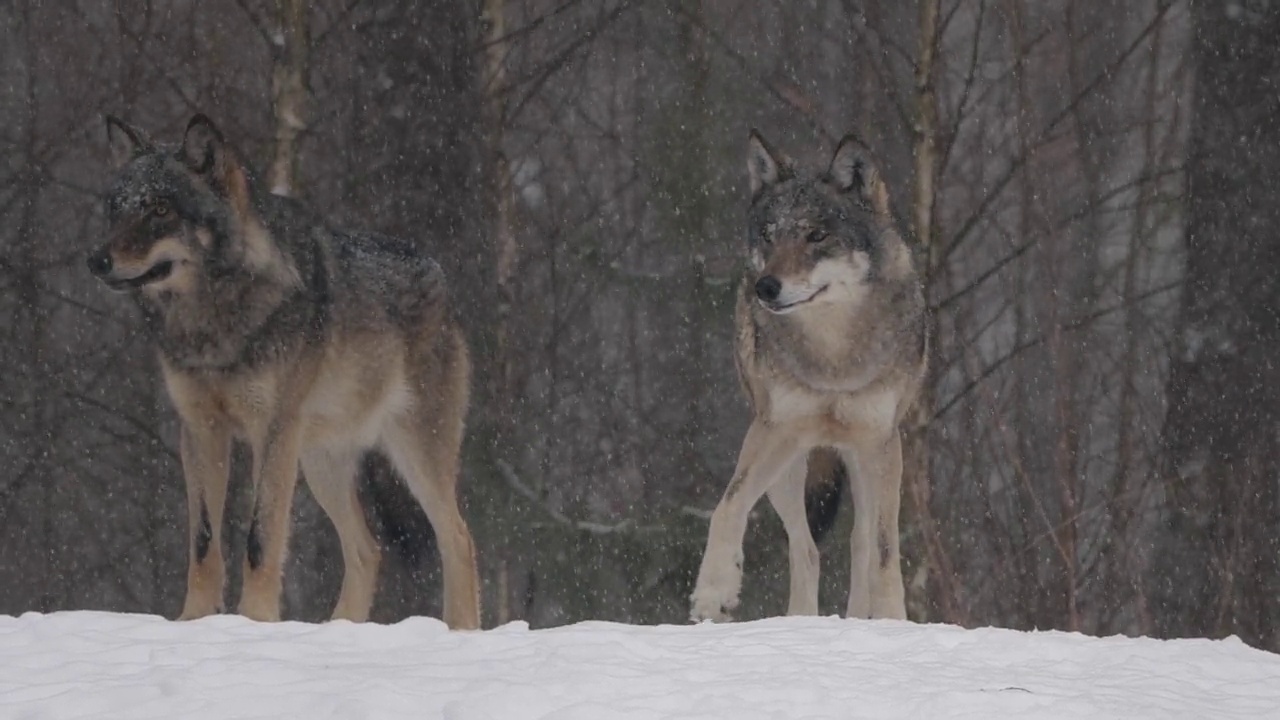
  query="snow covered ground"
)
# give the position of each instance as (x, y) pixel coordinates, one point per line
(102, 665)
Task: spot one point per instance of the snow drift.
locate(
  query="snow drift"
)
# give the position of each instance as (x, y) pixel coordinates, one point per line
(102, 665)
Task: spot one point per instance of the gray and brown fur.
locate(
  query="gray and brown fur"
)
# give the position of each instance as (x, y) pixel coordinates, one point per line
(310, 344)
(831, 352)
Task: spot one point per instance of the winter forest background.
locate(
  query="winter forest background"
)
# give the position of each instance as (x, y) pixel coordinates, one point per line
(1092, 183)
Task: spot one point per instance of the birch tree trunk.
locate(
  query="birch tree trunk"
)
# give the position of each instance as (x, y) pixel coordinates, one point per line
(919, 525)
(290, 59)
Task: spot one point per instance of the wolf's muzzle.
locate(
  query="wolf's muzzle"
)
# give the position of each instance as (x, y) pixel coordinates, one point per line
(101, 265)
(768, 288)
(770, 293)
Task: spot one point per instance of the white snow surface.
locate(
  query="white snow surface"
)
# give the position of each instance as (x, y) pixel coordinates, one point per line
(104, 665)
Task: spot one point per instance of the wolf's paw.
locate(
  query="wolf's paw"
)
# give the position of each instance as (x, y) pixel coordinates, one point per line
(713, 603)
(258, 608)
(715, 595)
(195, 612)
(713, 611)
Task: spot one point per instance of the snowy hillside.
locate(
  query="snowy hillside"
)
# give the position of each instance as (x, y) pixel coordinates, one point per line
(99, 665)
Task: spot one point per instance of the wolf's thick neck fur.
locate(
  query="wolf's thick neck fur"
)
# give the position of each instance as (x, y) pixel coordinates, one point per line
(251, 288)
(839, 347)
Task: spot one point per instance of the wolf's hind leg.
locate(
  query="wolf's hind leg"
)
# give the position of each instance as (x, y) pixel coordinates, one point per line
(206, 453)
(331, 475)
(787, 498)
(887, 591)
(766, 452)
(427, 459)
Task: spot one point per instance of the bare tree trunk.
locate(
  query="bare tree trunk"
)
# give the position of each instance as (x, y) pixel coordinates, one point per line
(1026, 430)
(30, 324)
(506, 259)
(290, 54)
(926, 127)
(506, 247)
(919, 522)
(1128, 475)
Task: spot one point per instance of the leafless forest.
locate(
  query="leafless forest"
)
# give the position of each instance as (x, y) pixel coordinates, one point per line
(1091, 184)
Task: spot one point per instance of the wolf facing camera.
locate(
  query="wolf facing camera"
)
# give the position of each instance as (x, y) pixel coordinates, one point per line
(310, 344)
(831, 350)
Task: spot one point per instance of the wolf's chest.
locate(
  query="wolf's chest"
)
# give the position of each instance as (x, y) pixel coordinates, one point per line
(869, 406)
(244, 402)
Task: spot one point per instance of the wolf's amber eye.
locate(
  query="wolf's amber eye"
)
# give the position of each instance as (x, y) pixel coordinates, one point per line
(816, 236)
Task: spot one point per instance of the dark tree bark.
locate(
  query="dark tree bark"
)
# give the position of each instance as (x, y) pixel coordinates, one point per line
(421, 127)
(1217, 570)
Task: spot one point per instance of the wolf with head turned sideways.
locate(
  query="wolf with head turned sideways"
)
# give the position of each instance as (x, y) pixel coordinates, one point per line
(831, 348)
(311, 344)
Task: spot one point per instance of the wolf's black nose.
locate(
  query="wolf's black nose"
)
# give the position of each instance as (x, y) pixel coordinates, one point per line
(99, 263)
(768, 288)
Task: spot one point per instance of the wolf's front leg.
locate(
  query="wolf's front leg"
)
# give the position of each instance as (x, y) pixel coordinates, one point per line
(766, 452)
(275, 477)
(787, 497)
(206, 451)
(875, 575)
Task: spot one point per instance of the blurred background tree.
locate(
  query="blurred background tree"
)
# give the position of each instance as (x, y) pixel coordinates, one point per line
(1095, 449)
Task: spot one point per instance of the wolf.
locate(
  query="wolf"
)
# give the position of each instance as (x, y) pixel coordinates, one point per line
(309, 343)
(831, 351)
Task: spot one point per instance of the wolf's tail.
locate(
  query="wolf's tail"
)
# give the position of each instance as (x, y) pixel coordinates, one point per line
(823, 489)
(397, 519)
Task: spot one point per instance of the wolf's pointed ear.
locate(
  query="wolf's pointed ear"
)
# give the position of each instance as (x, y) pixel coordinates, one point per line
(764, 167)
(201, 144)
(852, 170)
(207, 153)
(126, 142)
